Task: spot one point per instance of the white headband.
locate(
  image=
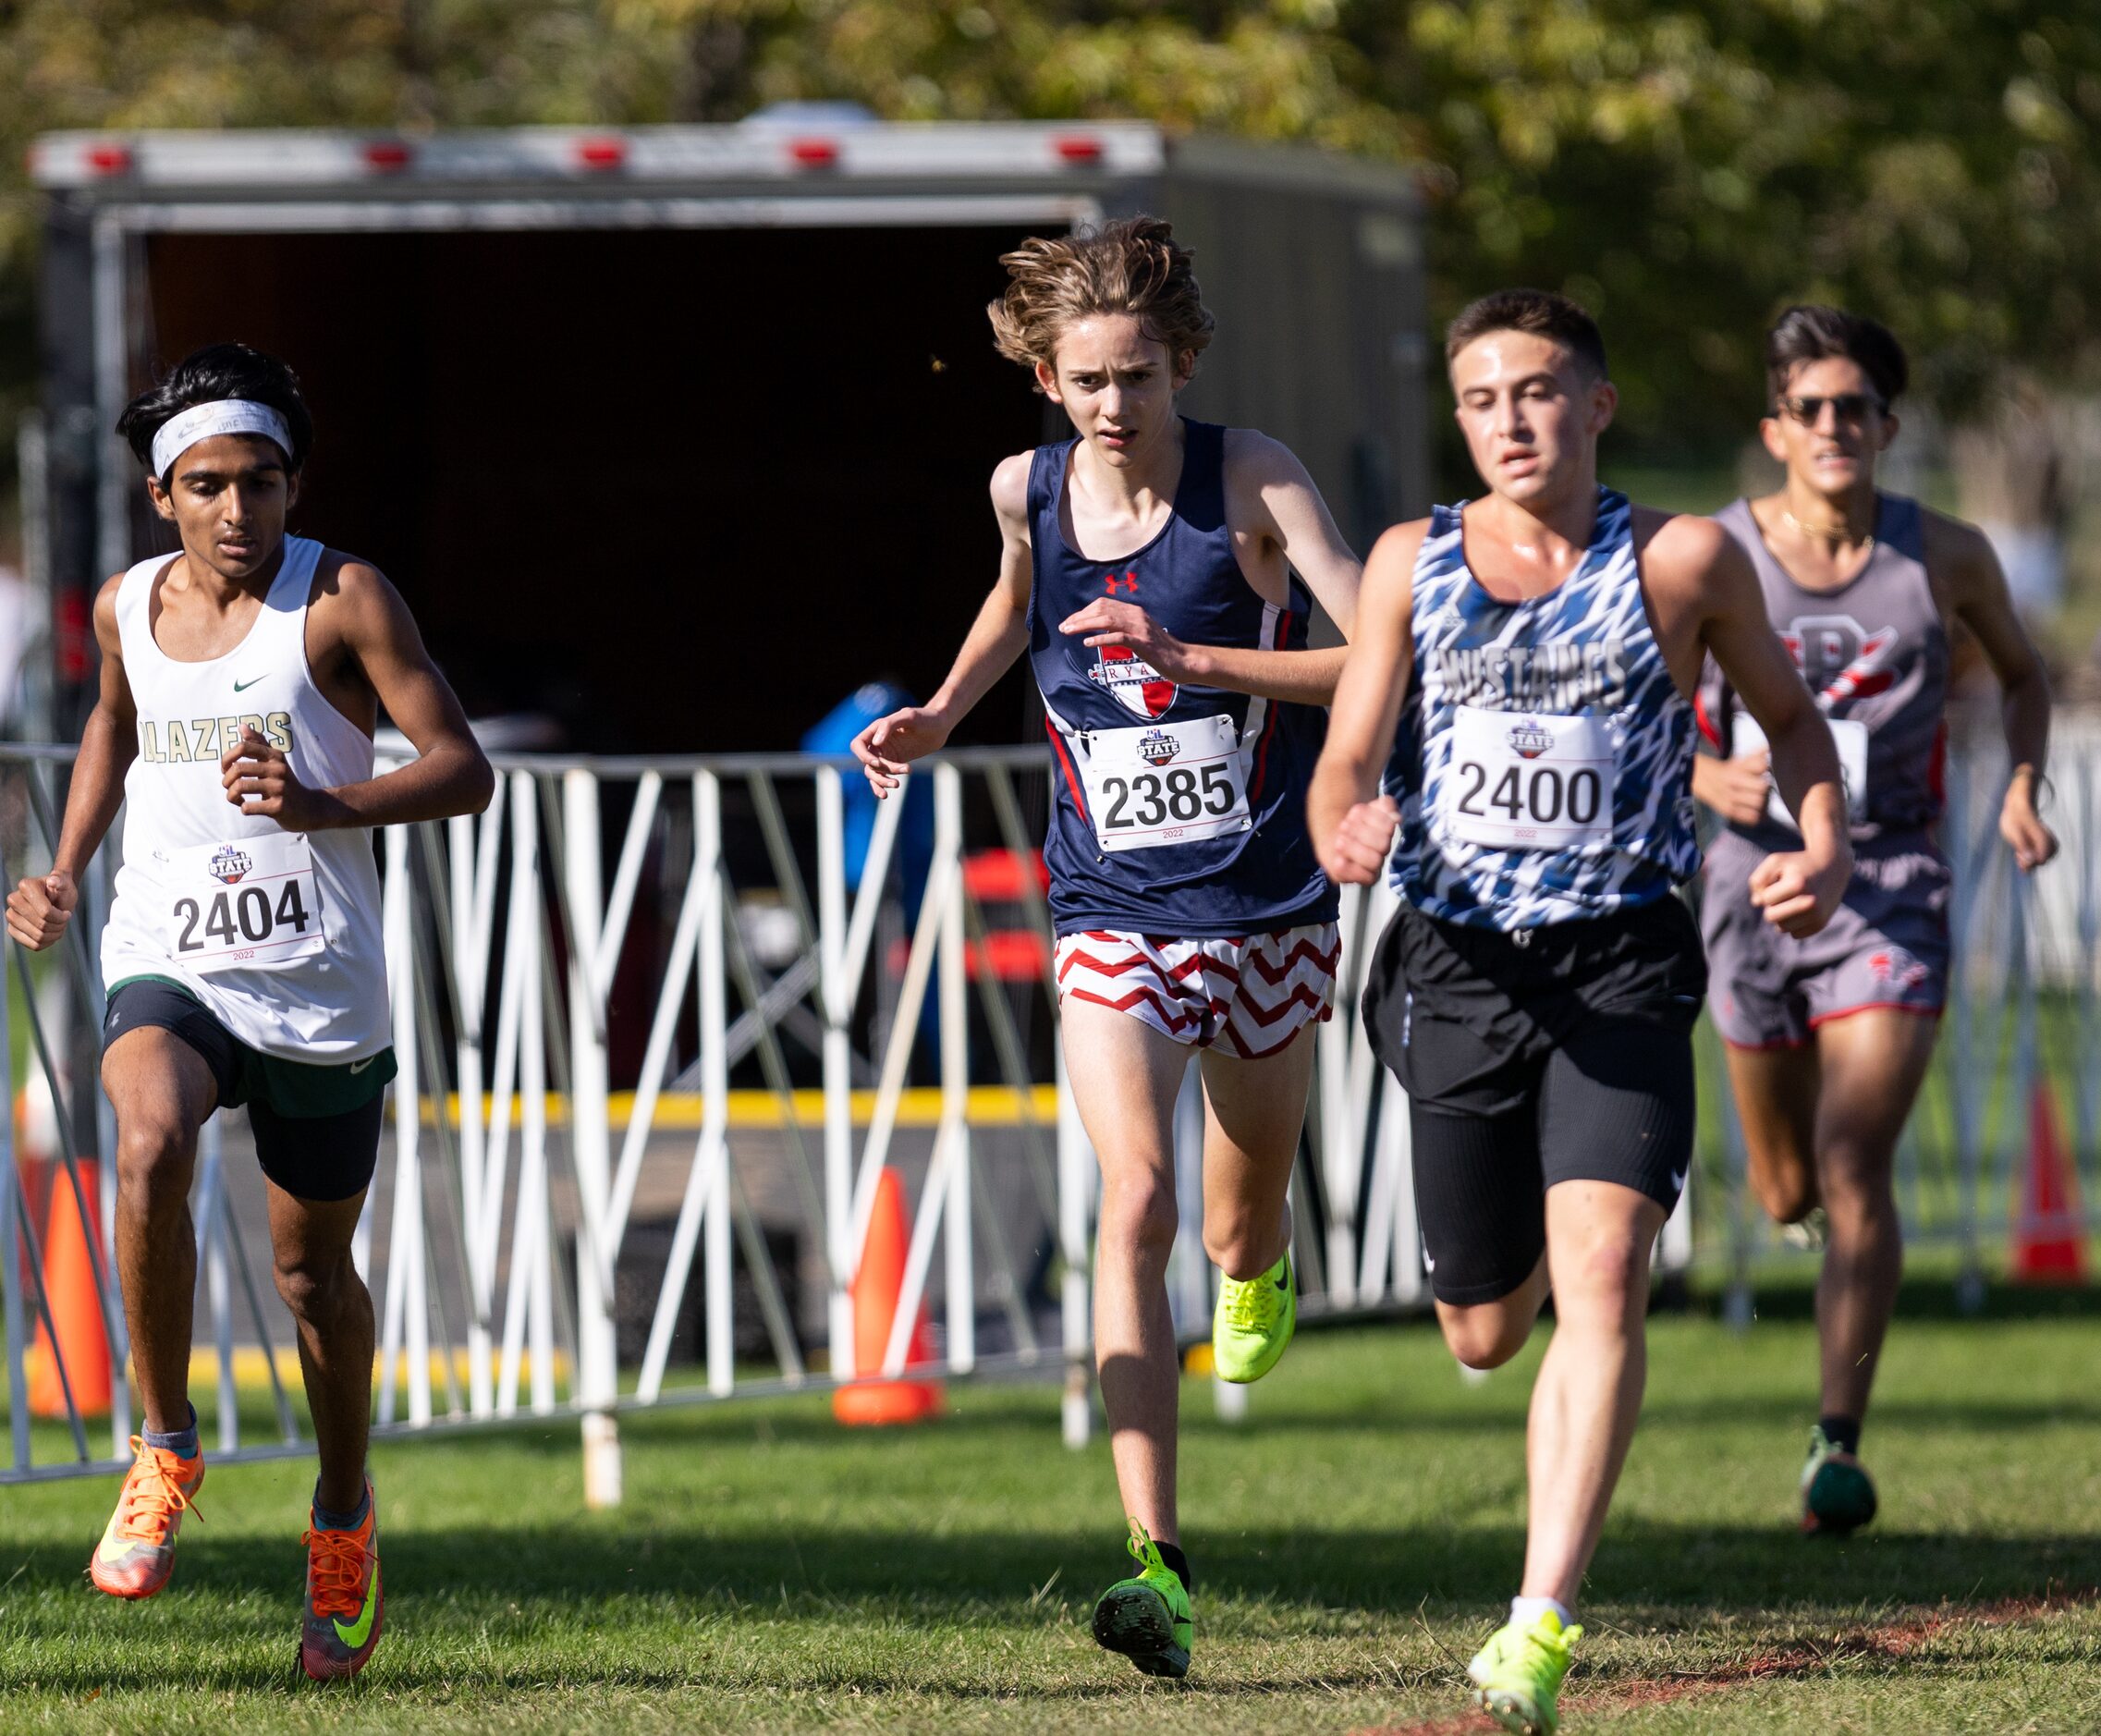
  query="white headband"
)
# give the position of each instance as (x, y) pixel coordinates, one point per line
(223, 416)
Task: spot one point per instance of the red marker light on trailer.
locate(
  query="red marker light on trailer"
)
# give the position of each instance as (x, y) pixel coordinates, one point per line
(1079, 148)
(109, 159)
(387, 156)
(601, 153)
(814, 153)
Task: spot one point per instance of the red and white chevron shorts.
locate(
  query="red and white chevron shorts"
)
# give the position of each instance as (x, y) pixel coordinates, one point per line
(1248, 996)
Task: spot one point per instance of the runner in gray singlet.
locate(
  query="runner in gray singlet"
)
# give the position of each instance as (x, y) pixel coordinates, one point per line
(1829, 1037)
(1875, 652)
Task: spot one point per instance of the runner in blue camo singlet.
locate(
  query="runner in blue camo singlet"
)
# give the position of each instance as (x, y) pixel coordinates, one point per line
(1582, 650)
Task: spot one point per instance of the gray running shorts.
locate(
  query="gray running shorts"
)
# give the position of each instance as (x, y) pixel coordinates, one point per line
(1887, 945)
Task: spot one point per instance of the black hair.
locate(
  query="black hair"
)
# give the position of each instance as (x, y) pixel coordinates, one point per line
(1539, 312)
(204, 376)
(1814, 334)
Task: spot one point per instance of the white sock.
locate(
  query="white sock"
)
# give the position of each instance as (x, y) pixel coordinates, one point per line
(1527, 1611)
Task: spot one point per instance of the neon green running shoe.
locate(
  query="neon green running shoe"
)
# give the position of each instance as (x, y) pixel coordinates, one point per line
(1519, 1672)
(1253, 1322)
(1146, 1617)
(1838, 1494)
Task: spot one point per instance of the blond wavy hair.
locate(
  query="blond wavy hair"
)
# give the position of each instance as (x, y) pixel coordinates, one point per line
(1131, 265)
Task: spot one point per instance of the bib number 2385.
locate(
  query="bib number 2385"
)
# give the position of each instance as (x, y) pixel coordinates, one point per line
(1169, 784)
(249, 901)
(1524, 781)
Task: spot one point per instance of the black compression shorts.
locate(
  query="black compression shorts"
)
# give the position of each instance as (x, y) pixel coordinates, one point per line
(316, 1128)
(1557, 1054)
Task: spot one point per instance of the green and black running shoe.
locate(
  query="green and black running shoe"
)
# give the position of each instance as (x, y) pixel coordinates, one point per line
(1838, 1495)
(1146, 1617)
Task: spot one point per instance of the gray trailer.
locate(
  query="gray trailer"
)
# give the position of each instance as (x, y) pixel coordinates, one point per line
(679, 433)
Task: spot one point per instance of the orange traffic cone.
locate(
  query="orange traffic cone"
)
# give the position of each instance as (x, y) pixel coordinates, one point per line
(2049, 1233)
(876, 1288)
(76, 1310)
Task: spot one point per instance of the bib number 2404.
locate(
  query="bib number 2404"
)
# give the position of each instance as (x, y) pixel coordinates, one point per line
(249, 901)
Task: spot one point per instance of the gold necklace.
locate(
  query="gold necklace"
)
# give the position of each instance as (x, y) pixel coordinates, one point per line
(1795, 524)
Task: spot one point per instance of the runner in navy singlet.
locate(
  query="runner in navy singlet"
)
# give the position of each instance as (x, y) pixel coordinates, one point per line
(1148, 570)
(1829, 1038)
(1521, 674)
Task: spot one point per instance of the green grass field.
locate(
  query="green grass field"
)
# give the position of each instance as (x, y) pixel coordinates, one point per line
(1353, 1540)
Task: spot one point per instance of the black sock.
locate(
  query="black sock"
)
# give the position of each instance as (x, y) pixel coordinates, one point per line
(1178, 1564)
(1842, 1431)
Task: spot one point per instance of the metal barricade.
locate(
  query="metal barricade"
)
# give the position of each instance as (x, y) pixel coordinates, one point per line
(789, 1005)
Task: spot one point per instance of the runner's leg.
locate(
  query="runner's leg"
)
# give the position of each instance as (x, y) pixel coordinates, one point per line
(1125, 1077)
(310, 1242)
(1775, 1092)
(1588, 1393)
(163, 1091)
(1253, 1111)
(1874, 1063)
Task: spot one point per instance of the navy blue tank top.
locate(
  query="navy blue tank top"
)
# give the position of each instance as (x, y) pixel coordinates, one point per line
(1176, 810)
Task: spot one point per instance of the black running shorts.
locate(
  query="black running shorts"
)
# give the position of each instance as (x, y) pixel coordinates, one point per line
(316, 1128)
(1555, 1054)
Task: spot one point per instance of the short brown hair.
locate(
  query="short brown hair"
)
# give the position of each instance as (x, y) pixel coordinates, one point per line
(1129, 266)
(1810, 332)
(1539, 312)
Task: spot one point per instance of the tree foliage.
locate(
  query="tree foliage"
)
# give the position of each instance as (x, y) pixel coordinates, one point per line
(1685, 169)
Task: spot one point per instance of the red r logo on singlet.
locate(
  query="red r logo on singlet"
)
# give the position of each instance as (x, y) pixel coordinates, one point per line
(1129, 581)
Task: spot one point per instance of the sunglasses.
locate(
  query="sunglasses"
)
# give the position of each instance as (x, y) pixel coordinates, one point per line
(1849, 407)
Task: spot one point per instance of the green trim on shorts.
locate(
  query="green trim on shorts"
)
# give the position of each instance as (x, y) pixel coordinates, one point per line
(183, 989)
(298, 1090)
(303, 1092)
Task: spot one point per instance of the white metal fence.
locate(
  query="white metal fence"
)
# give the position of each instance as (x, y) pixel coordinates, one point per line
(619, 1097)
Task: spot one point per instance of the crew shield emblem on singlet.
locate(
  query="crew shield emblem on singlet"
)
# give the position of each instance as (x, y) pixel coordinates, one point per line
(1136, 685)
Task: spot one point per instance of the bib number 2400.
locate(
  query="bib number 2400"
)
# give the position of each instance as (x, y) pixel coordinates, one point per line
(1529, 781)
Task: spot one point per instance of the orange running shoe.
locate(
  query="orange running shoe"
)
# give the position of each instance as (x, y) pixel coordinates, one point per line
(343, 1600)
(137, 1552)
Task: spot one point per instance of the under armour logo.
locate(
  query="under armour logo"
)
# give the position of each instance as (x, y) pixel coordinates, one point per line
(1129, 581)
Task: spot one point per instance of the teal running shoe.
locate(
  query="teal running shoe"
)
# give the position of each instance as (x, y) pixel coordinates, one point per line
(1838, 1494)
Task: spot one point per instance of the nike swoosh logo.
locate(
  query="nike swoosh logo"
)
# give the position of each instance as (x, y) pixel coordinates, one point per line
(358, 1067)
(360, 1630)
(1678, 1177)
(242, 686)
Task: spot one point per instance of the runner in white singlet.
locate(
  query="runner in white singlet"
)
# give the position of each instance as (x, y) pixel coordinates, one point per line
(241, 682)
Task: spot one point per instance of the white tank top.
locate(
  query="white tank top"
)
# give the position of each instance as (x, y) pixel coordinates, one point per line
(278, 932)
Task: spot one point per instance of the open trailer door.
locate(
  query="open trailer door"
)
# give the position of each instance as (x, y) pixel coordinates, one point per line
(676, 435)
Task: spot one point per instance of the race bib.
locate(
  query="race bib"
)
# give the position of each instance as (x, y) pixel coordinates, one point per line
(1163, 784)
(250, 901)
(1528, 780)
(1850, 738)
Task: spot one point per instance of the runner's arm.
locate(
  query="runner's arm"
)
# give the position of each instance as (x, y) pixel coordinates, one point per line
(1350, 823)
(999, 635)
(1797, 889)
(108, 745)
(41, 905)
(450, 773)
(1961, 557)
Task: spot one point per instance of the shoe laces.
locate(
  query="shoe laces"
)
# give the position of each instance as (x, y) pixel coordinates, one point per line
(1144, 1550)
(335, 1569)
(152, 1495)
(1252, 1304)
